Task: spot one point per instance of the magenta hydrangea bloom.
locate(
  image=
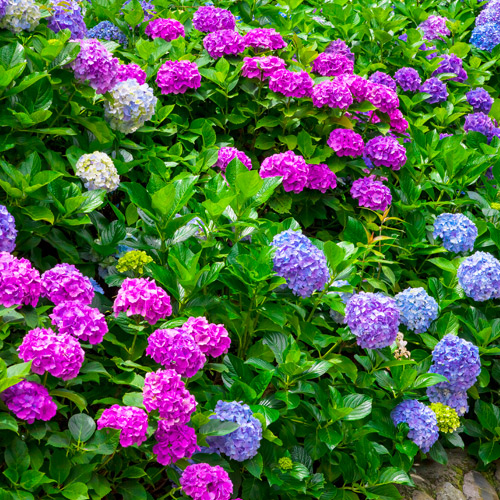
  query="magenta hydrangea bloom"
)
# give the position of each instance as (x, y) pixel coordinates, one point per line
(332, 64)
(346, 142)
(261, 67)
(227, 154)
(357, 85)
(383, 79)
(168, 29)
(371, 193)
(264, 38)
(291, 167)
(385, 152)
(174, 443)
(332, 94)
(176, 77)
(382, 97)
(142, 296)
(204, 482)
(126, 71)
(60, 355)
(83, 322)
(209, 19)
(19, 282)
(29, 401)
(224, 42)
(96, 65)
(131, 421)
(397, 121)
(65, 283)
(321, 178)
(434, 27)
(213, 340)
(165, 391)
(291, 83)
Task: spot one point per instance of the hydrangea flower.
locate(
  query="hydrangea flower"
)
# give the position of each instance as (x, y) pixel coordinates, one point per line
(340, 47)
(96, 65)
(148, 9)
(417, 309)
(127, 71)
(67, 14)
(451, 63)
(479, 276)
(264, 38)
(285, 463)
(165, 391)
(65, 283)
(371, 193)
(434, 27)
(227, 154)
(97, 288)
(479, 122)
(422, 421)
(168, 29)
(383, 79)
(346, 142)
(106, 30)
(176, 77)
(98, 171)
(261, 67)
(291, 83)
(444, 136)
(447, 417)
(244, 442)
(408, 79)
(204, 482)
(386, 152)
(489, 14)
(486, 37)
(213, 340)
(301, 263)
(19, 282)
(29, 401)
(357, 85)
(60, 355)
(224, 42)
(291, 167)
(20, 15)
(321, 178)
(373, 318)
(457, 231)
(174, 443)
(332, 64)
(382, 97)
(480, 100)
(331, 94)
(209, 19)
(135, 260)
(437, 90)
(83, 322)
(397, 121)
(454, 399)
(8, 231)
(344, 297)
(141, 296)
(131, 421)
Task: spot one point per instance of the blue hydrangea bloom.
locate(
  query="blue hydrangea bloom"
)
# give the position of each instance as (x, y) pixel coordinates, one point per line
(298, 261)
(486, 36)
(106, 30)
(480, 100)
(479, 276)
(424, 431)
(244, 442)
(344, 296)
(457, 232)
(8, 231)
(97, 288)
(67, 14)
(417, 309)
(454, 399)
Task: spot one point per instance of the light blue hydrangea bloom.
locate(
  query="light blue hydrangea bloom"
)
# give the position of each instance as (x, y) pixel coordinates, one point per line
(417, 309)
(106, 30)
(486, 36)
(479, 276)
(20, 15)
(457, 232)
(97, 288)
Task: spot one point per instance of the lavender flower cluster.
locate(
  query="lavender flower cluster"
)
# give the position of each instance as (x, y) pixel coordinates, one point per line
(67, 14)
(486, 34)
(457, 231)
(209, 19)
(479, 276)
(8, 231)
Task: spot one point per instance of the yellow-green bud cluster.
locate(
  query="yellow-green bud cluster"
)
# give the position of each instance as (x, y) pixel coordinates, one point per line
(285, 463)
(447, 417)
(133, 261)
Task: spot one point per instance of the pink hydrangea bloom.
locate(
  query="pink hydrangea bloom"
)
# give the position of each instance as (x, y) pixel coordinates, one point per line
(434, 27)
(81, 321)
(357, 85)
(264, 38)
(398, 122)
(212, 339)
(386, 152)
(331, 94)
(227, 154)
(333, 64)
(29, 401)
(60, 355)
(208, 19)
(176, 77)
(132, 421)
(346, 142)
(126, 71)
(382, 97)
(261, 67)
(371, 193)
(291, 167)
(174, 443)
(321, 178)
(204, 482)
(224, 42)
(19, 282)
(65, 283)
(168, 29)
(143, 297)
(291, 83)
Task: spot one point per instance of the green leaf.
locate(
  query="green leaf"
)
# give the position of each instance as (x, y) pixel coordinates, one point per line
(334, 254)
(133, 13)
(428, 380)
(97, 126)
(438, 453)
(217, 428)
(8, 422)
(255, 465)
(81, 426)
(76, 398)
(354, 232)
(361, 405)
(489, 451)
(75, 491)
(132, 490)
(394, 475)
(60, 466)
(39, 213)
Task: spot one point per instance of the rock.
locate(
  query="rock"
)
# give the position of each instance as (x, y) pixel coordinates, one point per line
(420, 495)
(476, 487)
(497, 472)
(448, 492)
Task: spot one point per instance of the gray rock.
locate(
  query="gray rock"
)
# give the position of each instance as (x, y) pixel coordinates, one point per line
(420, 495)
(448, 492)
(476, 487)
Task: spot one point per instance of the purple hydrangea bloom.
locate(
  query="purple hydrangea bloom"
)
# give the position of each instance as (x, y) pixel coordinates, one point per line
(213, 340)
(3, 6)
(19, 282)
(106, 30)
(165, 391)
(176, 77)
(332, 94)
(204, 482)
(457, 231)
(168, 29)
(332, 64)
(83, 322)
(224, 42)
(131, 421)
(357, 85)
(408, 79)
(480, 100)
(417, 309)
(174, 443)
(65, 283)
(134, 71)
(8, 231)
(451, 63)
(243, 443)
(386, 152)
(340, 47)
(486, 37)
(373, 318)
(148, 9)
(321, 178)
(264, 38)
(371, 193)
(443, 136)
(479, 122)
(489, 14)
(67, 14)
(291, 167)
(291, 83)
(96, 65)
(434, 27)
(60, 355)
(261, 67)
(209, 19)
(454, 399)
(479, 276)
(227, 154)
(29, 401)
(436, 88)
(383, 79)
(382, 97)
(143, 297)
(301, 263)
(424, 431)
(346, 142)
(397, 121)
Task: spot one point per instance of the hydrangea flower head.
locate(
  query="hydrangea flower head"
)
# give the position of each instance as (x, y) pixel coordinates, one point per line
(97, 171)
(457, 231)
(126, 71)
(135, 260)
(357, 85)
(106, 30)
(451, 63)
(437, 90)
(382, 97)
(131, 421)
(291, 83)
(213, 340)
(447, 417)
(224, 42)
(397, 121)
(434, 27)
(168, 29)
(285, 463)
(454, 399)
(417, 309)
(479, 276)
(383, 79)
(332, 64)
(332, 94)
(19, 282)
(204, 482)
(321, 178)
(228, 154)
(340, 47)
(371, 193)
(489, 14)
(20, 15)
(261, 67)
(174, 443)
(264, 38)
(8, 231)
(209, 19)
(67, 14)
(408, 79)
(291, 167)
(176, 77)
(65, 283)
(385, 151)
(480, 100)
(479, 122)
(97, 288)
(346, 142)
(486, 36)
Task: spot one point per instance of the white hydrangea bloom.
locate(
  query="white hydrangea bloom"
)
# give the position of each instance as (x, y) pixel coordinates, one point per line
(98, 171)
(20, 15)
